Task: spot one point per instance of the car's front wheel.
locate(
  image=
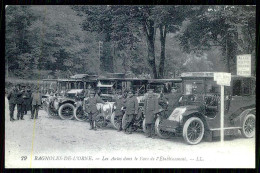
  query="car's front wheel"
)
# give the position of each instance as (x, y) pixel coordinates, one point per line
(66, 111)
(144, 127)
(248, 126)
(159, 132)
(193, 130)
(79, 114)
(115, 121)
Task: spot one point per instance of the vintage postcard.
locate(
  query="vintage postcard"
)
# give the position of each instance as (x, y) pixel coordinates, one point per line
(133, 86)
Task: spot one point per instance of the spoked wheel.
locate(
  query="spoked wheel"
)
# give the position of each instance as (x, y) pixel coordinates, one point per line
(115, 121)
(144, 127)
(79, 114)
(159, 132)
(100, 121)
(124, 121)
(248, 128)
(193, 130)
(66, 111)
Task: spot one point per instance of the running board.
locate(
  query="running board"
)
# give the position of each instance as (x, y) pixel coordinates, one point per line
(226, 128)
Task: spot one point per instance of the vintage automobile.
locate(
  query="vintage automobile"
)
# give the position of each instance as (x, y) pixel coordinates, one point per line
(159, 86)
(199, 113)
(63, 105)
(105, 110)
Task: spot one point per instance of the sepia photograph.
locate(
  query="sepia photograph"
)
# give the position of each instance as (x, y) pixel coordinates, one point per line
(130, 86)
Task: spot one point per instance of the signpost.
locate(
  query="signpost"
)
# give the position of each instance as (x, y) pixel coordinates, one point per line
(244, 65)
(222, 79)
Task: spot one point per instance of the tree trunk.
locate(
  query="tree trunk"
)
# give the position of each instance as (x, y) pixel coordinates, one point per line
(163, 32)
(106, 56)
(227, 56)
(6, 68)
(150, 33)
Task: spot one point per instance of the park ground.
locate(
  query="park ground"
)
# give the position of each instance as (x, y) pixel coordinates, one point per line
(54, 143)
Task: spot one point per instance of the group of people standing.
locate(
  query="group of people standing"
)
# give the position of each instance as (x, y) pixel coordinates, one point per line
(25, 100)
(130, 103)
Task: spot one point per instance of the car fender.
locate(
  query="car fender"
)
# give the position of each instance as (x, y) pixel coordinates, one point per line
(239, 119)
(67, 101)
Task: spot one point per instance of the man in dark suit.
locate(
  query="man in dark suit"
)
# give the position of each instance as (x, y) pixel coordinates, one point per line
(119, 104)
(36, 102)
(19, 102)
(92, 110)
(150, 109)
(12, 98)
(131, 111)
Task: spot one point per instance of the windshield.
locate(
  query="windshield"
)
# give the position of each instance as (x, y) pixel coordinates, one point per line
(158, 88)
(105, 90)
(195, 91)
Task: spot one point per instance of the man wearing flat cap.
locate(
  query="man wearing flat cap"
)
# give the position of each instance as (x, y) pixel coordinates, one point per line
(91, 109)
(150, 110)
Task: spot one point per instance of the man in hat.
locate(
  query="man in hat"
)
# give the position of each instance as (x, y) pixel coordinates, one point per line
(150, 110)
(36, 102)
(19, 102)
(92, 110)
(28, 99)
(24, 97)
(119, 104)
(12, 98)
(131, 111)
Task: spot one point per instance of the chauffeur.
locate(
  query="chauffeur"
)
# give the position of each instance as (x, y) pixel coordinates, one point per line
(131, 111)
(92, 110)
(119, 104)
(12, 98)
(150, 109)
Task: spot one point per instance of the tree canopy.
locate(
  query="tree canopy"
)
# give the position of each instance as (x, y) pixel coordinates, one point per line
(160, 41)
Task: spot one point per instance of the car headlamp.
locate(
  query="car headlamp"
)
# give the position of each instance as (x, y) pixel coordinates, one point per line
(176, 115)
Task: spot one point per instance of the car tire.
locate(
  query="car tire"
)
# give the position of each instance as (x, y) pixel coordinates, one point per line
(79, 114)
(66, 111)
(124, 121)
(190, 128)
(144, 127)
(100, 121)
(161, 133)
(115, 121)
(248, 126)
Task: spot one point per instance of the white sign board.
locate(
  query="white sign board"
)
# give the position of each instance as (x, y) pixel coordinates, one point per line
(222, 78)
(244, 65)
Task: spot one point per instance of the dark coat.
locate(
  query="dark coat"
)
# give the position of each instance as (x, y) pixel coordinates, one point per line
(36, 98)
(19, 99)
(91, 104)
(150, 108)
(27, 99)
(131, 105)
(13, 96)
(119, 103)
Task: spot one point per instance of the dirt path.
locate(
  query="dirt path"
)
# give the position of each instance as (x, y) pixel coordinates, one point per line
(70, 144)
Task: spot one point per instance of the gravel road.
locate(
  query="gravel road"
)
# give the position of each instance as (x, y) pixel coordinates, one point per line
(55, 143)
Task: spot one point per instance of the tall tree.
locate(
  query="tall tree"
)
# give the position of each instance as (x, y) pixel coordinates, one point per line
(220, 26)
